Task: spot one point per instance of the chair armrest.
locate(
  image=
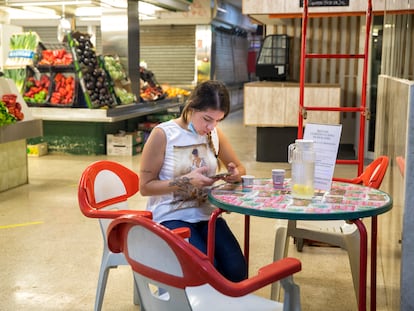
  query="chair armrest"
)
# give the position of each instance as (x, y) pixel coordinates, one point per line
(266, 275)
(183, 232)
(112, 214)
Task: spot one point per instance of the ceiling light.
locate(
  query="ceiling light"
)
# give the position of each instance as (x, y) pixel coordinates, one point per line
(40, 3)
(88, 11)
(39, 10)
(19, 14)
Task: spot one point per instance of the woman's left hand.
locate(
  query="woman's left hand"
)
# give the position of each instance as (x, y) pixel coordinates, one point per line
(234, 173)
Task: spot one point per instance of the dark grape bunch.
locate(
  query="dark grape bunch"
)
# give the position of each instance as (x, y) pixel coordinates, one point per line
(94, 77)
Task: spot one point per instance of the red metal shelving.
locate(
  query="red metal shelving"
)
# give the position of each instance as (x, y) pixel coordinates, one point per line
(361, 109)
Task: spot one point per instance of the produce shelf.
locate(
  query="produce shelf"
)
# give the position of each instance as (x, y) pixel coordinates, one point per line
(119, 113)
(20, 130)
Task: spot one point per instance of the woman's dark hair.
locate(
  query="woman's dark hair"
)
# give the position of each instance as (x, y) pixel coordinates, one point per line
(208, 95)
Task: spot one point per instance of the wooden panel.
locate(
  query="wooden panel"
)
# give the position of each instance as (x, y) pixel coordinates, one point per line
(264, 105)
(273, 104)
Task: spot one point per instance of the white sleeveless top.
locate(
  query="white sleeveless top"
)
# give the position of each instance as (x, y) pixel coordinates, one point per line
(184, 152)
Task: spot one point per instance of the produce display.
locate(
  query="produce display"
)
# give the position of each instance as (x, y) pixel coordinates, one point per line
(36, 91)
(117, 73)
(18, 75)
(173, 92)
(94, 81)
(59, 57)
(124, 96)
(114, 68)
(22, 49)
(150, 89)
(10, 110)
(62, 68)
(5, 116)
(63, 89)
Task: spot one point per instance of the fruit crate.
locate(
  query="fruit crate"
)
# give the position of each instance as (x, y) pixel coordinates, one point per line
(37, 87)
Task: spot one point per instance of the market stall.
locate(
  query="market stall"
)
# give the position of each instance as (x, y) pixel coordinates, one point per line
(16, 125)
(82, 96)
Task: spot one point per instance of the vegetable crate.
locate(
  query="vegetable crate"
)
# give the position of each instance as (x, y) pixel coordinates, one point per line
(37, 87)
(64, 89)
(54, 55)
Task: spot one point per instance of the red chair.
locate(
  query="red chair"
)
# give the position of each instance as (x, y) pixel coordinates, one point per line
(103, 192)
(401, 165)
(337, 233)
(373, 174)
(173, 275)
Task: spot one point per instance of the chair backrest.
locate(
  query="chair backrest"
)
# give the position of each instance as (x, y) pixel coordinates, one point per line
(401, 164)
(104, 189)
(374, 173)
(162, 259)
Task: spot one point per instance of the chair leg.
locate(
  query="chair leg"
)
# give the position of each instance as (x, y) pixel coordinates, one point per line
(137, 298)
(280, 251)
(100, 291)
(291, 299)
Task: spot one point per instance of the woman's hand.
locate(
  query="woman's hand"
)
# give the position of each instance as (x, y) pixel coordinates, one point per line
(198, 177)
(234, 173)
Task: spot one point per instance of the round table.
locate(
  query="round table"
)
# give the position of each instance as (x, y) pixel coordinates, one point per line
(344, 201)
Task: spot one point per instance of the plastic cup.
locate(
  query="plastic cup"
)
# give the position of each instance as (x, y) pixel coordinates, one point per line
(247, 182)
(278, 177)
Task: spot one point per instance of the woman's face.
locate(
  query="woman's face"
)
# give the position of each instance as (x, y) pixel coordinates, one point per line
(205, 121)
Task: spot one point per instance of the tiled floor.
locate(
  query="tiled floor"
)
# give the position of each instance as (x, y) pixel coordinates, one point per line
(51, 253)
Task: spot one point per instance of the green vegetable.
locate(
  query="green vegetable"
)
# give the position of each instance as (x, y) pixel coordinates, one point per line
(124, 96)
(5, 116)
(18, 75)
(24, 41)
(22, 49)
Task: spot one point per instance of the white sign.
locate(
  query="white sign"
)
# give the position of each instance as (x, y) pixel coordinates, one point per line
(325, 143)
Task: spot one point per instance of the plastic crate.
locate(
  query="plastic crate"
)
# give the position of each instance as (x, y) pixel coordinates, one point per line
(58, 49)
(60, 94)
(33, 77)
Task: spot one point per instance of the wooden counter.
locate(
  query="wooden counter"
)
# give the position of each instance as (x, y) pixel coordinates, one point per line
(276, 104)
(273, 108)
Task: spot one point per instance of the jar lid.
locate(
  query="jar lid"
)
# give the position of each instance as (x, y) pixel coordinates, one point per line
(305, 144)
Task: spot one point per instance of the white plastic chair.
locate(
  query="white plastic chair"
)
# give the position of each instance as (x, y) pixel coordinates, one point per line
(336, 233)
(103, 191)
(188, 280)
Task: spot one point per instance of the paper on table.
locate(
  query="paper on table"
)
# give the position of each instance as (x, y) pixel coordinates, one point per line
(326, 142)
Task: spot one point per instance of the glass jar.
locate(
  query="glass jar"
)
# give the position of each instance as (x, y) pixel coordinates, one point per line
(301, 156)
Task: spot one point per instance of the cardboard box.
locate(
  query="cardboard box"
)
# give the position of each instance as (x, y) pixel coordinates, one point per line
(37, 150)
(127, 144)
(119, 150)
(124, 139)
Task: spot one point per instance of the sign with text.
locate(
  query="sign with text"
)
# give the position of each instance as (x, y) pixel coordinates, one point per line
(325, 143)
(314, 3)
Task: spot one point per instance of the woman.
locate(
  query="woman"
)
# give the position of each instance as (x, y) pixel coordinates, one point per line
(178, 192)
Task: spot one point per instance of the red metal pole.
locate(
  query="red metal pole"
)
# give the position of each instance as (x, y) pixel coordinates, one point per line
(363, 104)
(302, 68)
(362, 295)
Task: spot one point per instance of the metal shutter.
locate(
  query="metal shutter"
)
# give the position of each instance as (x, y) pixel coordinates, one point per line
(169, 51)
(230, 57)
